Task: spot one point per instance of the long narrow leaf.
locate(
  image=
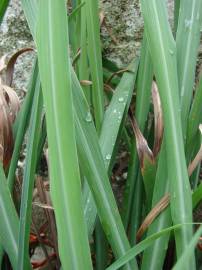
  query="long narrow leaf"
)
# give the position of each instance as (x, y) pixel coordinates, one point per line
(21, 125)
(187, 43)
(54, 66)
(29, 176)
(184, 259)
(142, 246)
(85, 117)
(95, 59)
(195, 118)
(9, 224)
(108, 137)
(144, 82)
(165, 67)
(153, 257)
(96, 175)
(197, 196)
(3, 6)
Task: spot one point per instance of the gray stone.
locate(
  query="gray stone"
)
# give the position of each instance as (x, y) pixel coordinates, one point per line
(15, 35)
(123, 29)
(121, 35)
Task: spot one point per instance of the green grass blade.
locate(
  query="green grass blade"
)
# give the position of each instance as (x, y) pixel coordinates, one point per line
(21, 125)
(195, 118)
(197, 196)
(3, 7)
(184, 259)
(19, 128)
(101, 189)
(153, 257)
(116, 112)
(165, 67)
(176, 14)
(93, 167)
(187, 44)
(112, 121)
(137, 208)
(157, 251)
(73, 35)
(144, 82)
(9, 224)
(83, 61)
(42, 141)
(108, 137)
(54, 66)
(82, 115)
(148, 175)
(142, 246)
(90, 209)
(75, 12)
(30, 9)
(95, 60)
(92, 221)
(101, 248)
(28, 179)
(130, 186)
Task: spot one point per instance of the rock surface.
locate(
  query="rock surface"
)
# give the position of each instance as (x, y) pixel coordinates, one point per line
(121, 35)
(15, 35)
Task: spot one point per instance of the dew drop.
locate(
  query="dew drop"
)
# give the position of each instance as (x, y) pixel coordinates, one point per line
(188, 23)
(121, 99)
(108, 157)
(88, 117)
(114, 111)
(171, 52)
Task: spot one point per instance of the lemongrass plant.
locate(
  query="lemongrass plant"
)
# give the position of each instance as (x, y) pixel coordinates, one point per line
(93, 122)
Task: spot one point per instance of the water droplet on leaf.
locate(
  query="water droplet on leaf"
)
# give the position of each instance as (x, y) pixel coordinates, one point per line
(171, 52)
(121, 99)
(88, 117)
(108, 157)
(188, 23)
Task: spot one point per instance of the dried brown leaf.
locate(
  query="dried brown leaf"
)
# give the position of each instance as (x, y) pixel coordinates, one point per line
(86, 82)
(198, 158)
(13, 102)
(144, 152)
(9, 106)
(44, 206)
(121, 71)
(11, 64)
(158, 208)
(102, 17)
(76, 57)
(108, 88)
(6, 137)
(158, 120)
